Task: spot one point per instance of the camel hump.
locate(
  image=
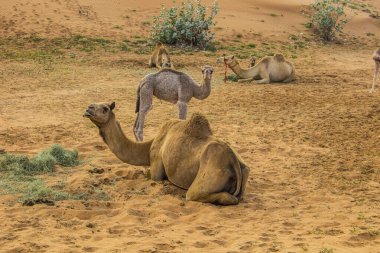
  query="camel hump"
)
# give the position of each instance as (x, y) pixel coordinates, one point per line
(170, 70)
(279, 57)
(198, 126)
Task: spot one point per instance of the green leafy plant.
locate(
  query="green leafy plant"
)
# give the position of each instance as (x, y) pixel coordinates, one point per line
(187, 24)
(327, 17)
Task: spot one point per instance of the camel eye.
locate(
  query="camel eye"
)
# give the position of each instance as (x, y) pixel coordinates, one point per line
(105, 109)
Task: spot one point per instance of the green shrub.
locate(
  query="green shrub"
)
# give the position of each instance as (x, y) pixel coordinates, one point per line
(42, 163)
(14, 163)
(63, 157)
(38, 189)
(327, 17)
(187, 24)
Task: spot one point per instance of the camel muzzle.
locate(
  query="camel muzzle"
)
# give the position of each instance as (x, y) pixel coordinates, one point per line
(88, 113)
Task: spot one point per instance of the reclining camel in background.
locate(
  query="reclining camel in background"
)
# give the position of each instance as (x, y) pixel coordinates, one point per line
(184, 151)
(268, 69)
(160, 57)
(171, 86)
(376, 58)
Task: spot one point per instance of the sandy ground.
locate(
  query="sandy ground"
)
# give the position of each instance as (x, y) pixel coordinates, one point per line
(313, 146)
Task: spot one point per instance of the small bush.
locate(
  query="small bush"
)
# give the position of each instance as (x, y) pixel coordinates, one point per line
(187, 24)
(327, 17)
(123, 46)
(38, 189)
(63, 157)
(42, 163)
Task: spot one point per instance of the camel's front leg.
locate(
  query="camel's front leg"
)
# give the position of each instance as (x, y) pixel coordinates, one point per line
(182, 109)
(157, 170)
(221, 198)
(245, 80)
(377, 66)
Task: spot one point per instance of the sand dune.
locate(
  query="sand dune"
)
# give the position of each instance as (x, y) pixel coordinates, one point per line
(122, 19)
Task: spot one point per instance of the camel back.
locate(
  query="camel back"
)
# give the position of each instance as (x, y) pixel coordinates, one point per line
(171, 70)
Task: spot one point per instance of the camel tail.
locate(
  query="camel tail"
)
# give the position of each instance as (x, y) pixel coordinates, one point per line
(138, 100)
(239, 177)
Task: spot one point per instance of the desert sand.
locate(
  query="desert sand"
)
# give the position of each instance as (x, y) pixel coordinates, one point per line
(313, 146)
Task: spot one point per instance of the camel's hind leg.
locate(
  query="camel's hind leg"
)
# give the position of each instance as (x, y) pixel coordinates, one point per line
(376, 75)
(245, 174)
(216, 180)
(221, 198)
(291, 78)
(146, 97)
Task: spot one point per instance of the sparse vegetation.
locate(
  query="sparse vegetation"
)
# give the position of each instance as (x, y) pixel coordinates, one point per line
(326, 250)
(232, 78)
(187, 24)
(327, 17)
(42, 163)
(18, 173)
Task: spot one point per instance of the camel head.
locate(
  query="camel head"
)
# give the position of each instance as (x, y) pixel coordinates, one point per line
(228, 60)
(99, 113)
(207, 72)
(252, 62)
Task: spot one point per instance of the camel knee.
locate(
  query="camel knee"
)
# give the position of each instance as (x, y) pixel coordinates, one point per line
(192, 196)
(139, 134)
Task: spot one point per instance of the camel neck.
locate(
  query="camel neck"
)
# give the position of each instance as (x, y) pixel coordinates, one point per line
(203, 91)
(129, 151)
(243, 73)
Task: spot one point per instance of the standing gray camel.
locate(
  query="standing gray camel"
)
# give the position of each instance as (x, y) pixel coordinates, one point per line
(376, 58)
(172, 86)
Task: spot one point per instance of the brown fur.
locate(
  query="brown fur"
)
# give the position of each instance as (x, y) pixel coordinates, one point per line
(268, 69)
(160, 57)
(184, 151)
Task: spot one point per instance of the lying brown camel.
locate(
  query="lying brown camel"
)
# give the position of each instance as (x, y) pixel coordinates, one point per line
(184, 151)
(268, 69)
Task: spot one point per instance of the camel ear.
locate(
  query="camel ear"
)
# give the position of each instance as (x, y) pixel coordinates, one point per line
(112, 105)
